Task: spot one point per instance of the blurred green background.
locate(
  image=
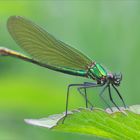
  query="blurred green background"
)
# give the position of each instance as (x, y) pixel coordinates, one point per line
(106, 31)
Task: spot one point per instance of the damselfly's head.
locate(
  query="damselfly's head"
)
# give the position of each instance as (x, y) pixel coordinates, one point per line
(115, 79)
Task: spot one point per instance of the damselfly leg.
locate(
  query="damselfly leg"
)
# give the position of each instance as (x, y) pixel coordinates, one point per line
(111, 99)
(101, 96)
(86, 97)
(80, 86)
(119, 95)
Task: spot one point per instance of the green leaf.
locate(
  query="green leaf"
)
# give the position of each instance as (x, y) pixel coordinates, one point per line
(116, 125)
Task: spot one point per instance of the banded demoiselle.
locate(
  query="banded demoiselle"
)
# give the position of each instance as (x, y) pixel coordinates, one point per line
(46, 51)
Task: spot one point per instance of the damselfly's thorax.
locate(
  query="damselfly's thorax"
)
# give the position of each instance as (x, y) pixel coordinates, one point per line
(97, 72)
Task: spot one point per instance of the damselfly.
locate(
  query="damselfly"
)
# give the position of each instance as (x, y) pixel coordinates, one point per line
(46, 51)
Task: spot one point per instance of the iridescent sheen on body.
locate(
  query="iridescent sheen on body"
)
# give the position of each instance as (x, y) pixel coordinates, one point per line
(98, 71)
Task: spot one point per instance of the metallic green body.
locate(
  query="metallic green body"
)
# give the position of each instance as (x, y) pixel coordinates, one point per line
(98, 71)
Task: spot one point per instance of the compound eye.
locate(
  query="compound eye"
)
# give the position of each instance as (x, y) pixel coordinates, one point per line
(115, 76)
